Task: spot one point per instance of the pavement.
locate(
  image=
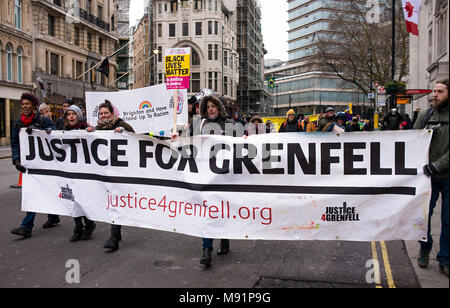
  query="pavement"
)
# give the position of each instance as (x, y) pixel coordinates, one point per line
(259, 264)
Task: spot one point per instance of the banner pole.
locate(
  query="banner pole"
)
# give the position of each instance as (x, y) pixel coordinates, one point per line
(175, 109)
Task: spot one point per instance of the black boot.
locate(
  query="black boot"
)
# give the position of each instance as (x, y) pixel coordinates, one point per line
(224, 247)
(206, 259)
(21, 232)
(88, 229)
(51, 223)
(113, 243)
(76, 237)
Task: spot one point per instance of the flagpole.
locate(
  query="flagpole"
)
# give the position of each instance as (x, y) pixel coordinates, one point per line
(115, 52)
(133, 69)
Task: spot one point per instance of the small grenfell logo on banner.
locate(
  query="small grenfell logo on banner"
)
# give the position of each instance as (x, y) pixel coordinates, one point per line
(66, 193)
(343, 213)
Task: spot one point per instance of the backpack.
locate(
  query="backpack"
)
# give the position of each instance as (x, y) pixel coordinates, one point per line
(299, 125)
(427, 117)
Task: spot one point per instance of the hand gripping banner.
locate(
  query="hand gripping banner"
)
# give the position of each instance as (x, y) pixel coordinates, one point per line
(350, 186)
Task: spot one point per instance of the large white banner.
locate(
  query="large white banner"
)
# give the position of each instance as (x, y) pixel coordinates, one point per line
(147, 110)
(350, 186)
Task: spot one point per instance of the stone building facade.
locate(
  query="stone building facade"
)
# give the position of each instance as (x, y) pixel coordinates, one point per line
(16, 47)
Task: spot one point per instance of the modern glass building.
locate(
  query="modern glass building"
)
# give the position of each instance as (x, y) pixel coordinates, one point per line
(301, 84)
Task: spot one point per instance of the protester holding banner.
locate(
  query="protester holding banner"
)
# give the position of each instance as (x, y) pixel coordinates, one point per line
(340, 126)
(436, 118)
(256, 126)
(31, 119)
(74, 120)
(213, 112)
(291, 125)
(109, 121)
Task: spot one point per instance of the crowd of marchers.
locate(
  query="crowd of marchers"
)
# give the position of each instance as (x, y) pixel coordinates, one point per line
(211, 110)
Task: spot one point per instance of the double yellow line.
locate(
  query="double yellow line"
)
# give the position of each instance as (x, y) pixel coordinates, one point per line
(387, 266)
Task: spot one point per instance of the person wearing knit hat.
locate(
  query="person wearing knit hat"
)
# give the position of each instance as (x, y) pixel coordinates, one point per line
(291, 125)
(73, 119)
(30, 119)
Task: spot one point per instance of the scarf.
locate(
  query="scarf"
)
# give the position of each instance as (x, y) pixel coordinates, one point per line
(26, 120)
(108, 123)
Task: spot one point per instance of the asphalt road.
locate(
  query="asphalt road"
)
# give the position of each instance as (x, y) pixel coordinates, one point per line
(154, 259)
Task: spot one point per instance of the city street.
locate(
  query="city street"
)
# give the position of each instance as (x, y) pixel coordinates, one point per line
(149, 258)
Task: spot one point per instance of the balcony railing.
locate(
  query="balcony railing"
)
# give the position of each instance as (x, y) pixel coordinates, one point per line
(94, 20)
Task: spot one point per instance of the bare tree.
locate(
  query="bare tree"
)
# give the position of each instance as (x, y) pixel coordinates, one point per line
(360, 52)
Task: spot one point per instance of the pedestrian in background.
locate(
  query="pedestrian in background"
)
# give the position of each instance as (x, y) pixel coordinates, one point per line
(436, 118)
(327, 120)
(291, 125)
(31, 119)
(60, 121)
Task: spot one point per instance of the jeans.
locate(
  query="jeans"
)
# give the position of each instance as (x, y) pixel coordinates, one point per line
(28, 221)
(439, 186)
(208, 243)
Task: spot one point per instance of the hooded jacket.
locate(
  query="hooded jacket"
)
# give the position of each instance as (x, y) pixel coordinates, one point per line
(221, 120)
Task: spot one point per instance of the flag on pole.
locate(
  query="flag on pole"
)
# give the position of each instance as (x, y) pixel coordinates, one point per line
(411, 9)
(104, 67)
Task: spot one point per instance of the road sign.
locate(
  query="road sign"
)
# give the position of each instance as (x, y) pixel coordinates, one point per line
(371, 95)
(381, 90)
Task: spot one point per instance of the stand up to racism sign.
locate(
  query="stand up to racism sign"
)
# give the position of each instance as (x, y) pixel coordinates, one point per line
(177, 63)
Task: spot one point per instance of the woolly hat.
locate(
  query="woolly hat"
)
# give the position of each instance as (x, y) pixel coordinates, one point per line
(290, 112)
(77, 110)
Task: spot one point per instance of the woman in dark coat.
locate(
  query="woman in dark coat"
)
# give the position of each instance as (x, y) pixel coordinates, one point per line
(109, 121)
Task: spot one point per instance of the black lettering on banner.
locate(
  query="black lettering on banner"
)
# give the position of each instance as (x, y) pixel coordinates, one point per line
(32, 154)
(159, 160)
(326, 157)
(73, 149)
(87, 156)
(213, 159)
(295, 150)
(94, 147)
(239, 158)
(400, 157)
(59, 151)
(115, 153)
(268, 159)
(190, 158)
(42, 154)
(350, 158)
(375, 160)
(143, 154)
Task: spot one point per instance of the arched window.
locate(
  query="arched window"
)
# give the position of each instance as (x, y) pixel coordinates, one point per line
(18, 14)
(19, 65)
(9, 62)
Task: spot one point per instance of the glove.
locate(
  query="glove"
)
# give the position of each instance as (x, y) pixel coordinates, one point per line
(48, 131)
(20, 168)
(30, 130)
(430, 170)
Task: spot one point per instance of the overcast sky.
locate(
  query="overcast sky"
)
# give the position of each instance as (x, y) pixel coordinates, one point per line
(274, 25)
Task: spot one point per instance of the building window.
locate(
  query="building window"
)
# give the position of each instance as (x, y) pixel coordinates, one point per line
(100, 46)
(159, 30)
(54, 64)
(185, 29)
(18, 14)
(216, 81)
(210, 52)
(210, 27)
(51, 25)
(79, 68)
(225, 85)
(216, 52)
(216, 28)
(19, 65)
(9, 62)
(195, 57)
(225, 58)
(442, 24)
(89, 41)
(100, 12)
(160, 54)
(172, 30)
(1, 59)
(89, 6)
(210, 80)
(195, 83)
(198, 28)
(77, 36)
